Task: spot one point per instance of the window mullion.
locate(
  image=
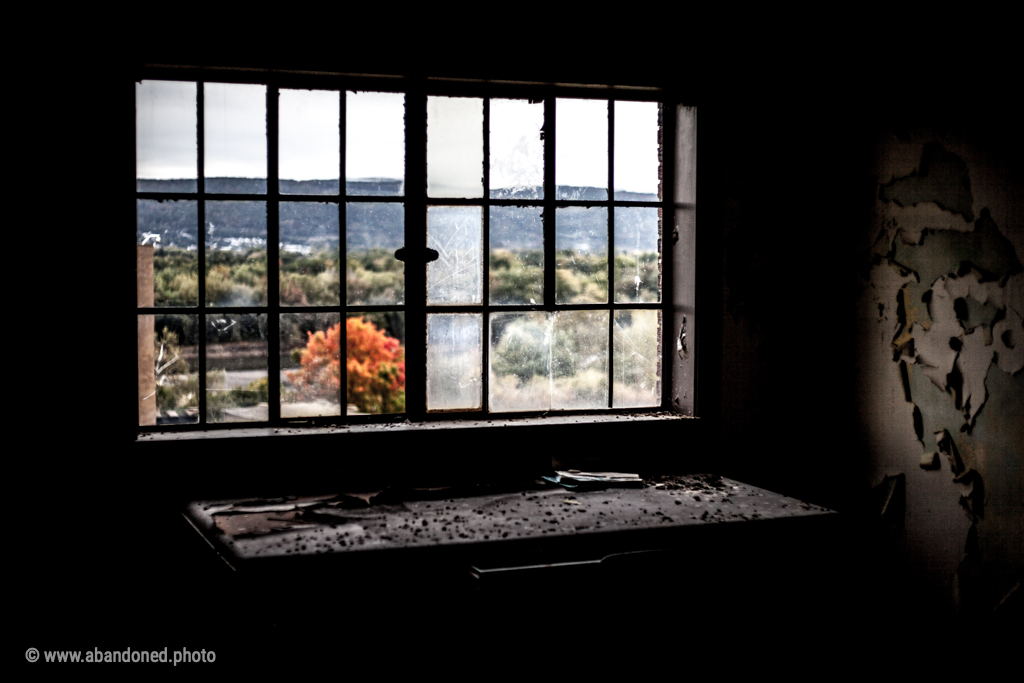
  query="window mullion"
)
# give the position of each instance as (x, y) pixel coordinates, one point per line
(485, 336)
(201, 246)
(416, 239)
(611, 253)
(549, 203)
(273, 269)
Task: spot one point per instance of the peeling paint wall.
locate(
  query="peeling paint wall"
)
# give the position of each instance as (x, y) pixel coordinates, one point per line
(940, 352)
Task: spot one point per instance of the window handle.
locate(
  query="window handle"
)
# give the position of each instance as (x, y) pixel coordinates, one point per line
(414, 254)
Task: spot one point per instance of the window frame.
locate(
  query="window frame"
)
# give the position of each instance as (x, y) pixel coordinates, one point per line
(677, 362)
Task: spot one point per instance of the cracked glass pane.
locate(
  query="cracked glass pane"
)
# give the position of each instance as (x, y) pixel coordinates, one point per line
(579, 360)
(637, 260)
(375, 362)
(236, 368)
(236, 253)
(375, 143)
(516, 267)
(309, 141)
(373, 232)
(168, 369)
(311, 371)
(456, 232)
(517, 149)
(167, 262)
(636, 347)
(637, 166)
(454, 357)
(455, 147)
(165, 136)
(235, 138)
(581, 255)
(520, 358)
(581, 149)
(309, 256)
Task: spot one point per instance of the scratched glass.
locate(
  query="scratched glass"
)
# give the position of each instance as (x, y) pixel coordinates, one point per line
(637, 255)
(516, 149)
(375, 362)
(454, 358)
(235, 138)
(581, 149)
(167, 263)
(581, 255)
(373, 232)
(636, 347)
(456, 233)
(455, 147)
(310, 361)
(520, 362)
(579, 360)
(309, 142)
(168, 374)
(516, 260)
(165, 136)
(236, 253)
(637, 163)
(309, 254)
(236, 368)
(375, 143)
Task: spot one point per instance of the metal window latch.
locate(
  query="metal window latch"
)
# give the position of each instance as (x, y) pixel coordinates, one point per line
(414, 254)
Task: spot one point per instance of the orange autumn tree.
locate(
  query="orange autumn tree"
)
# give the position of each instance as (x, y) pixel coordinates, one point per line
(375, 365)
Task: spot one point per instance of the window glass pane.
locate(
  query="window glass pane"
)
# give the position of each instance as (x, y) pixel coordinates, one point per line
(235, 138)
(168, 369)
(310, 364)
(454, 356)
(309, 141)
(374, 231)
(165, 136)
(455, 147)
(309, 254)
(636, 346)
(581, 247)
(456, 232)
(375, 362)
(516, 255)
(236, 253)
(581, 149)
(579, 360)
(517, 149)
(236, 368)
(520, 358)
(637, 260)
(375, 143)
(167, 262)
(637, 167)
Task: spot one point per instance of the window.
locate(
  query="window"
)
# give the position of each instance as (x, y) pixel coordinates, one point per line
(504, 250)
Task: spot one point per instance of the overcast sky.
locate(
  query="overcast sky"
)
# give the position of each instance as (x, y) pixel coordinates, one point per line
(235, 121)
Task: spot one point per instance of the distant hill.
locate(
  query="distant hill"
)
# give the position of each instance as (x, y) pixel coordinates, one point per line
(242, 224)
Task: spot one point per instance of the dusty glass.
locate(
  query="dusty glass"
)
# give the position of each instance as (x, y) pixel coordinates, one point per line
(637, 166)
(310, 361)
(581, 149)
(236, 368)
(454, 357)
(168, 354)
(165, 136)
(236, 253)
(520, 362)
(516, 260)
(167, 262)
(309, 141)
(235, 138)
(455, 147)
(637, 255)
(373, 232)
(375, 362)
(516, 149)
(579, 360)
(375, 143)
(581, 255)
(309, 254)
(456, 233)
(636, 347)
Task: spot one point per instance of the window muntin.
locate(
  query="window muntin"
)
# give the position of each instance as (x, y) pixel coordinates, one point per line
(590, 339)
